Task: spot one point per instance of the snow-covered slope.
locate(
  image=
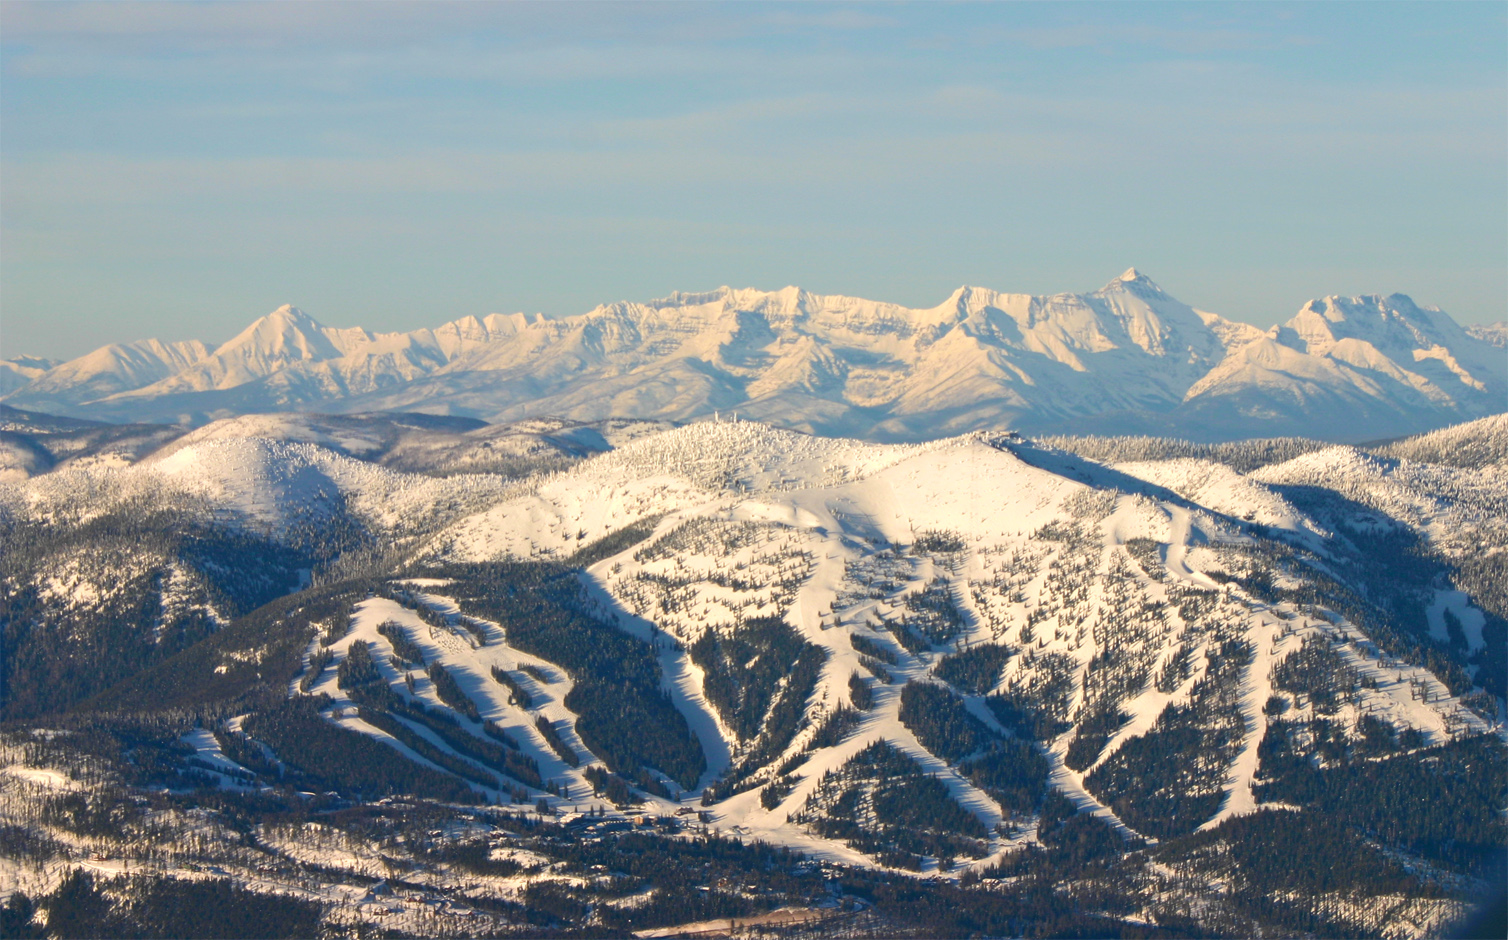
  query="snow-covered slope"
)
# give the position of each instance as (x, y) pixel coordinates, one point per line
(1128, 358)
(107, 371)
(21, 370)
(1449, 505)
(364, 436)
(1493, 334)
(1480, 444)
(1350, 368)
(1130, 672)
(1103, 593)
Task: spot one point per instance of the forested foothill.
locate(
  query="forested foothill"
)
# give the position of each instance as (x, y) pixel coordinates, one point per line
(317, 726)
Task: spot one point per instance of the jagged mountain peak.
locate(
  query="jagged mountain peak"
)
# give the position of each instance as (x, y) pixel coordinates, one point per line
(285, 322)
(1392, 322)
(290, 312)
(1133, 279)
(112, 369)
(284, 335)
(788, 300)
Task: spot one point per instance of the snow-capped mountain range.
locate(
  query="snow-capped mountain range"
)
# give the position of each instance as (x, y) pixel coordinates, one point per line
(1128, 358)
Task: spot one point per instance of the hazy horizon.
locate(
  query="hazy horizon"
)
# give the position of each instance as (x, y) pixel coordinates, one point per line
(178, 170)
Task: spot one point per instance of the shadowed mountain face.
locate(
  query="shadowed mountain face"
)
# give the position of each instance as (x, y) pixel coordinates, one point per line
(1128, 358)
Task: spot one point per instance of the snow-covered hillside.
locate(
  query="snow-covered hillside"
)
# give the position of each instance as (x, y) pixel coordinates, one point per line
(899, 562)
(1481, 444)
(982, 658)
(1126, 358)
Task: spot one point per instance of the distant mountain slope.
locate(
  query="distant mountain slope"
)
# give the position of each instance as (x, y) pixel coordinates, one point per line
(284, 361)
(20, 371)
(1126, 359)
(1361, 363)
(107, 371)
(35, 442)
(1494, 334)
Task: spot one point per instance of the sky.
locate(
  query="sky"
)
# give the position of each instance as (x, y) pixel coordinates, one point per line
(177, 170)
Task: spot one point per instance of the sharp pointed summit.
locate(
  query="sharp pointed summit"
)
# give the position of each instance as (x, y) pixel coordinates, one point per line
(1132, 278)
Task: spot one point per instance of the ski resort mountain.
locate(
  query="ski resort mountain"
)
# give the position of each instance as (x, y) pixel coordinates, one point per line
(644, 676)
(1128, 358)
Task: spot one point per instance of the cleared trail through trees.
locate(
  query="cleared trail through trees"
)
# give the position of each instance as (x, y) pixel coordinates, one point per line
(679, 672)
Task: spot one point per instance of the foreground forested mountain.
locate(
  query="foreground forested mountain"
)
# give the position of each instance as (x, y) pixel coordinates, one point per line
(637, 676)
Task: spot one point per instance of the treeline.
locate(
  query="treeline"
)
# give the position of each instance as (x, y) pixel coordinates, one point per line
(859, 692)
(1444, 803)
(684, 879)
(1243, 456)
(1096, 726)
(786, 714)
(883, 804)
(404, 648)
(434, 618)
(1035, 704)
(868, 647)
(615, 542)
(1168, 781)
(624, 715)
(1316, 670)
(557, 744)
(125, 570)
(1387, 579)
(839, 723)
(932, 613)
(331, 758)
(1009, 770)
(254, 657)
(450, 692)
(975, 670)
(518, 695)
(941, 723)
(1013, 772)
(1484, 576)
(383, 708)
(745, 667)
(149, 906)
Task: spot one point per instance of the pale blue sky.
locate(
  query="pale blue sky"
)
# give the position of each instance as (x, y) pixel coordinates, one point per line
(177, 170)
